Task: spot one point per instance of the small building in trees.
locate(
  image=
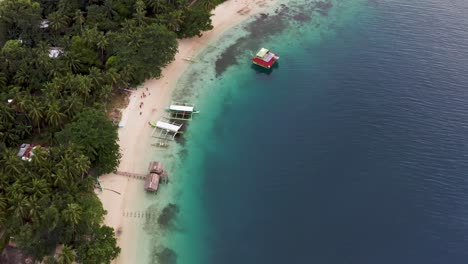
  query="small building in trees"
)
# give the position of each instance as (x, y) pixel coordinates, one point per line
(26, 151)
(44, 23)
(55, 52)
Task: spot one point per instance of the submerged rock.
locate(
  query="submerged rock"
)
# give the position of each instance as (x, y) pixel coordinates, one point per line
(167, 256)
(168, 214)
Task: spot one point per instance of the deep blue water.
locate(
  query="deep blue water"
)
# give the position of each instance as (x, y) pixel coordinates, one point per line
(353, 151)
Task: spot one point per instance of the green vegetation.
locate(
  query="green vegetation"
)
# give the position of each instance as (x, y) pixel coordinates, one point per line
(60, 63)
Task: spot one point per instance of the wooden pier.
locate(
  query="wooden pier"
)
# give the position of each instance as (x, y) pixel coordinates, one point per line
(156, 174)
(139, 176)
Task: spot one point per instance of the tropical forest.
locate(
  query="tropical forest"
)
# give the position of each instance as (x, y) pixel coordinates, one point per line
(62, 64)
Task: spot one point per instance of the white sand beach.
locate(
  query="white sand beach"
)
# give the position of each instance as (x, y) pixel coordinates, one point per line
(135, 136)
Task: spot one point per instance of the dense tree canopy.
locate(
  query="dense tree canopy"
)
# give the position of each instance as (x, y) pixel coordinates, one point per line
(137, 50)
(99, 247)
(49, 200)
(96, 137)
(60, 62)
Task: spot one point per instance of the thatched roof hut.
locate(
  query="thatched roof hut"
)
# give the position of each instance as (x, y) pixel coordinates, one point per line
(152, 182)
(155, 167)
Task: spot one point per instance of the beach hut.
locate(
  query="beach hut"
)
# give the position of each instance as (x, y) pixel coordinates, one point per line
(152, 182)
(156, 167)
(181, 111)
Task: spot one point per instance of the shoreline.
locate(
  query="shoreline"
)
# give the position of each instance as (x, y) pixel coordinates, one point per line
(135, 135)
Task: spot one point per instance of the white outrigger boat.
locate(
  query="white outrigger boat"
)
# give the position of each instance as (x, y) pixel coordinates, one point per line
(181, 111)
(167, 129)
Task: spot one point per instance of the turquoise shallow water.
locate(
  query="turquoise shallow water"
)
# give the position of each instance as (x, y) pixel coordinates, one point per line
(350, 151)
(224, 81)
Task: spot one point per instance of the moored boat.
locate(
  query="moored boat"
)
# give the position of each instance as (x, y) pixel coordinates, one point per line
(181, 111)
(265, 58)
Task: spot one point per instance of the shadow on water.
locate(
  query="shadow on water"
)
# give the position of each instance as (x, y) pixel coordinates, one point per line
(166, 220)
(261, 70)
(168, 215)
(164, 256)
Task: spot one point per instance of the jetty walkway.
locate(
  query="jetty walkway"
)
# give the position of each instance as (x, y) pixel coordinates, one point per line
(139, 176)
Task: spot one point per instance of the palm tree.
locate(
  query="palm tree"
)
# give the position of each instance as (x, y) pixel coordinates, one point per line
(3, 80)
(39, 160)
(73, 62)
(22, 77)
(33, 208)
(74, 104)
(96, 76)
(156, 6)
(57, 22)
(59, 179)
(18, 204)
(36, 112)
(54, 115)
(6, 114)
(10, 164)
(79, 18)
(101, 44)
(140, 11)
(67, 256)
(22, 101)
(112, 76)
(82, 165)
(66, 166)
(111, 6)
(174, 20)
(84, 85)
(53, 90)
(22, 129)
(37, 187)
(3, 208)
(72, 214)
(208, 5)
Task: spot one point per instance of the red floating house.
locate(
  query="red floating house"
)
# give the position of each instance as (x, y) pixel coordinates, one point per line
(265, 58)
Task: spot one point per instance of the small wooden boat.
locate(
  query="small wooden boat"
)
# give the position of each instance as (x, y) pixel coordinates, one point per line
(265, 58)
(161, 144)
(189, 59)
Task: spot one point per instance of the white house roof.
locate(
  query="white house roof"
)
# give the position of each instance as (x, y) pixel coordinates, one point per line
(44, 23)
(55, 52)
